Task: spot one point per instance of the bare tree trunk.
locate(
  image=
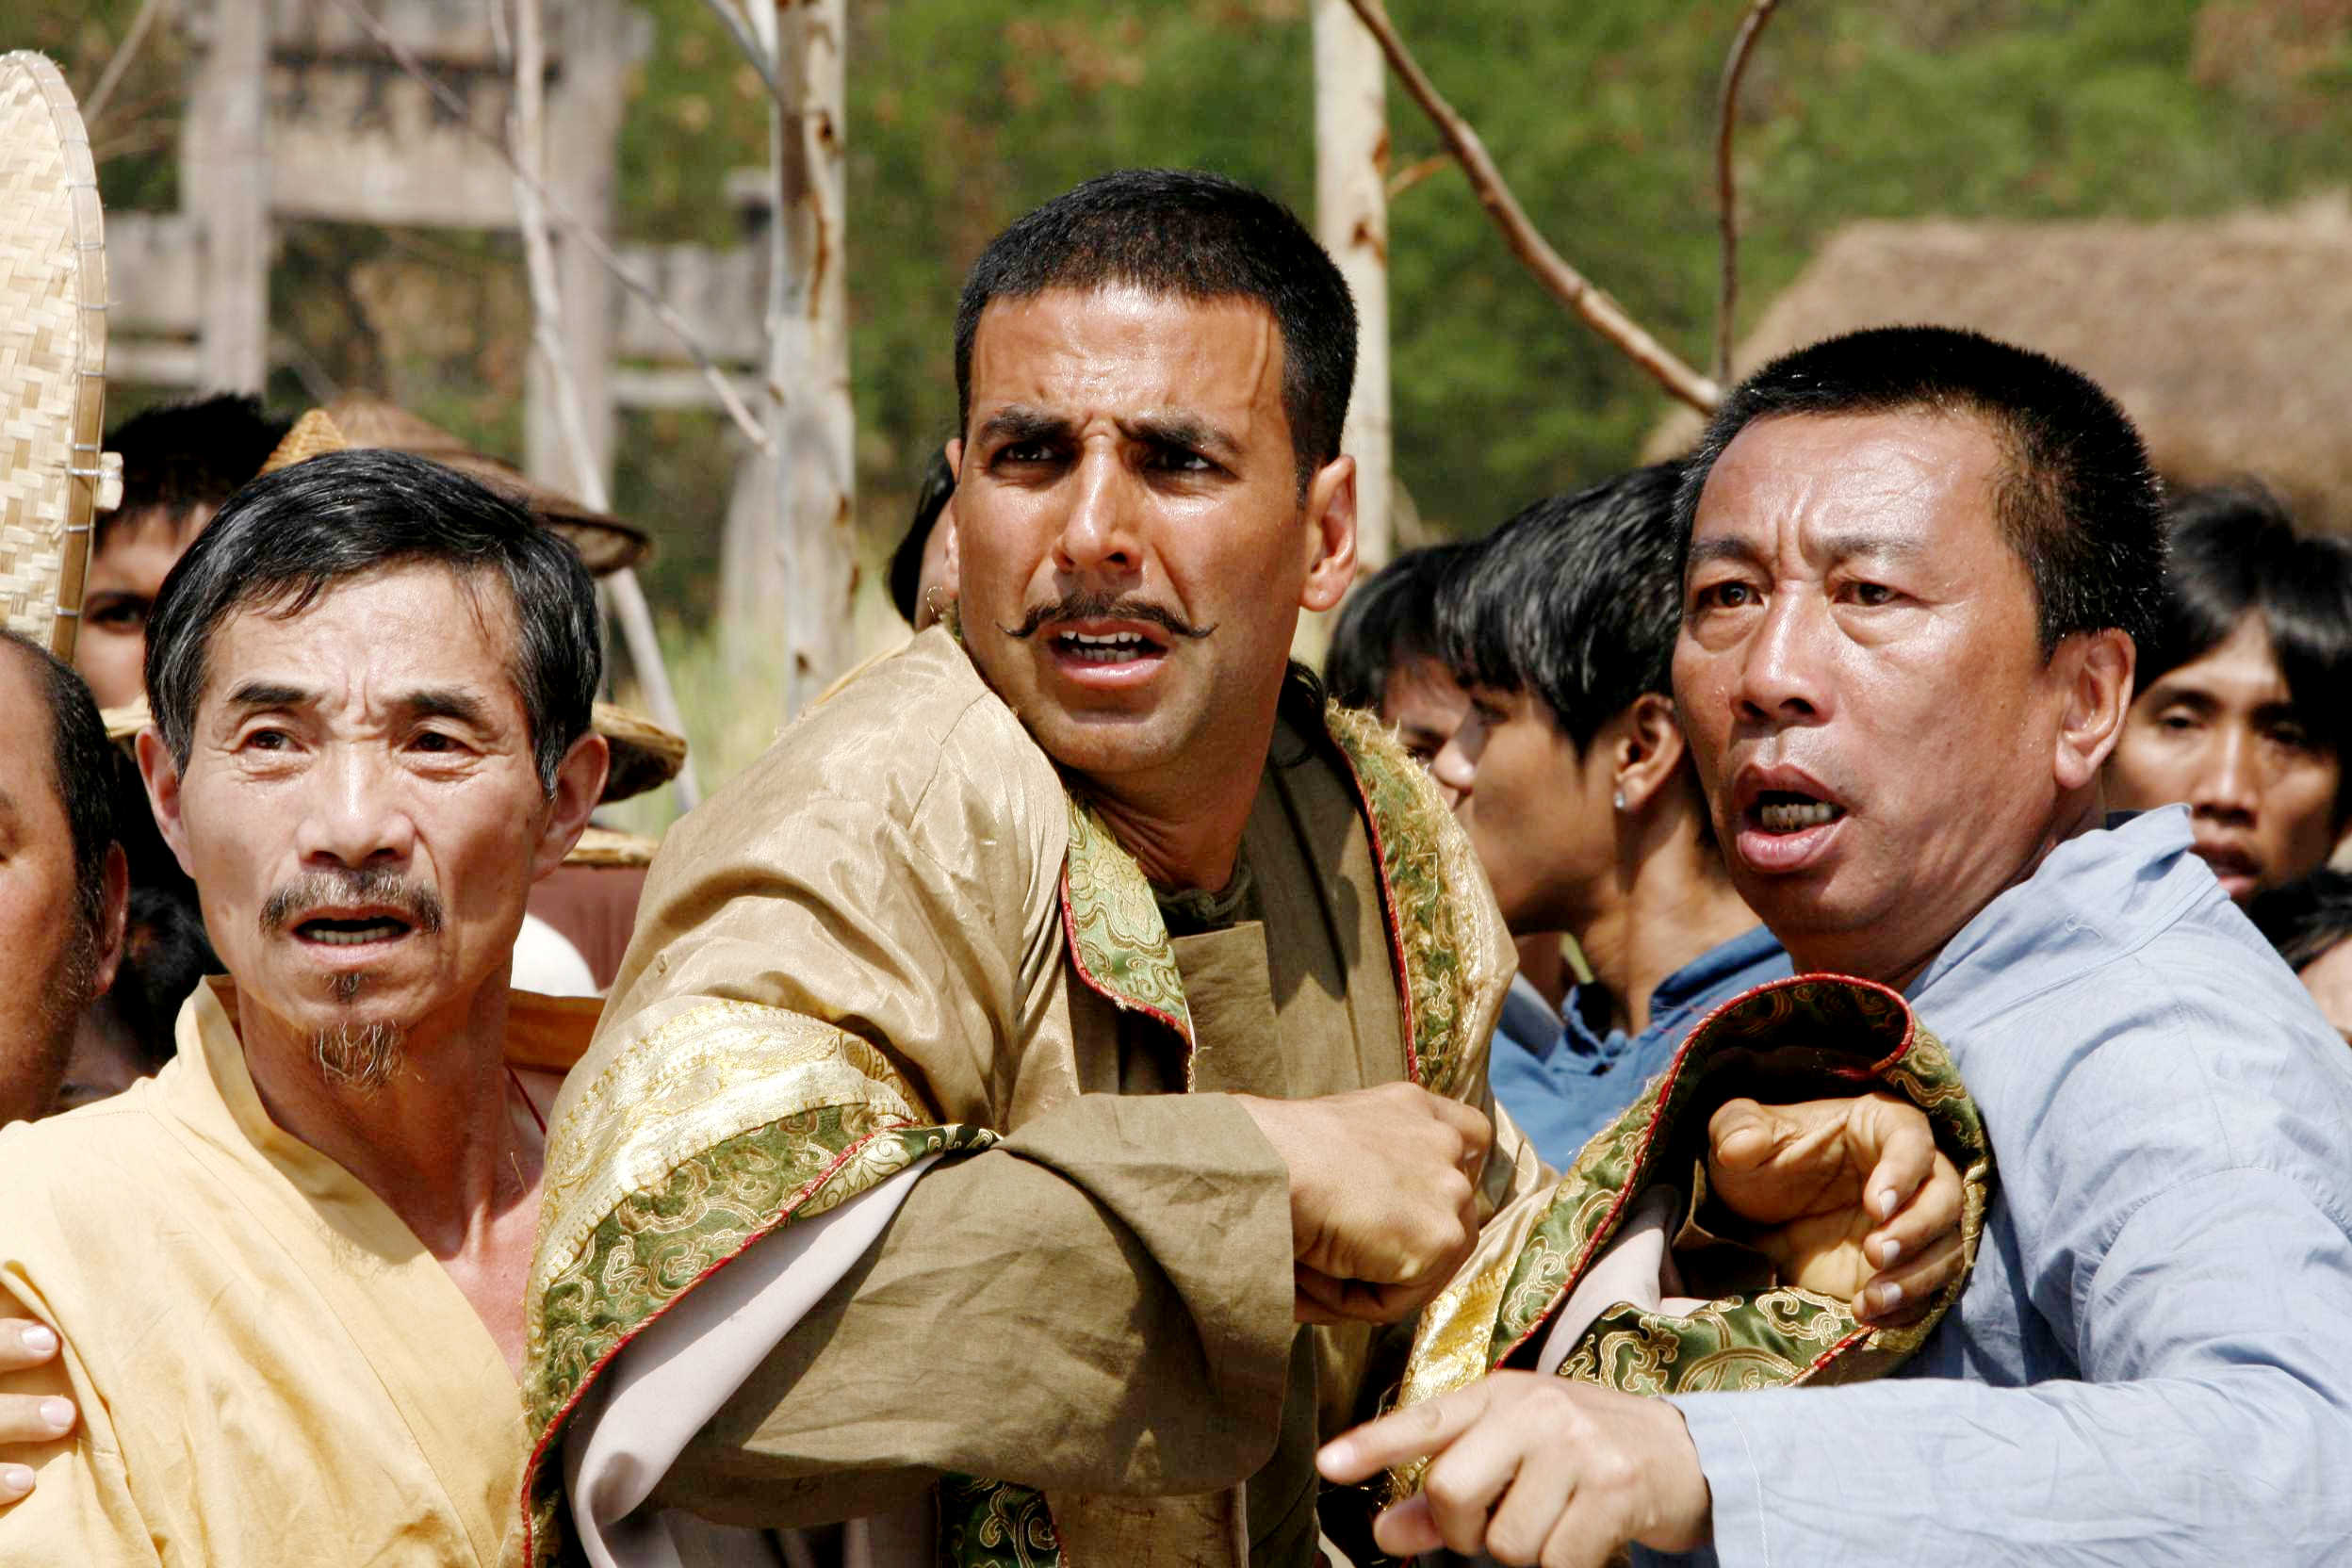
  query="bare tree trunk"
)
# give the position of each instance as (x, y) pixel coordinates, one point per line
(812, 422)
(225, 172)
(527, 132)
(1352, 220)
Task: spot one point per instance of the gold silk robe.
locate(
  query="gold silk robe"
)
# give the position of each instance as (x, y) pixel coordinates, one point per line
(901, 934)
(270, 1368)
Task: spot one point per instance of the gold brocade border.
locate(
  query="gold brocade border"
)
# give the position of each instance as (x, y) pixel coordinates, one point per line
(717, 1070)
(1834, 1034)
(1118, 941)
(1446, 929)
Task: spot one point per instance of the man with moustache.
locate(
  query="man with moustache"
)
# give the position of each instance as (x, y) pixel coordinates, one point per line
(1064, 1012)
(287, 1270)
(1917, 566)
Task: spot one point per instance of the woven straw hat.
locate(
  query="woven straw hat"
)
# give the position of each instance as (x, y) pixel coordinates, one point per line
(52, 350)
(605, 542)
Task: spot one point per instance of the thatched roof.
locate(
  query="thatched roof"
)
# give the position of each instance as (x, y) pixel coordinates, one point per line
(2228, 340)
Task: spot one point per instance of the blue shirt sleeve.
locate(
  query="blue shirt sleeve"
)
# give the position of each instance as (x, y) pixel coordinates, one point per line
(2210, 1427)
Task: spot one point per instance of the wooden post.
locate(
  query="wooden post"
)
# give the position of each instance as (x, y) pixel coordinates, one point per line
(224, 171)
(1352, 220)
(594, 44)
(812, 422)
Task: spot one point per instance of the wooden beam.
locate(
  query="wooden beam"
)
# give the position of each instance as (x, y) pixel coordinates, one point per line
(225, 171)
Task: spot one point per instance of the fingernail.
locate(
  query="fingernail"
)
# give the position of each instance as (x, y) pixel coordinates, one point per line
(1888, 1198)
(1888, 1250)
(1887, 1295)
(39, 1340)
(58, 1413)
(15, 1479)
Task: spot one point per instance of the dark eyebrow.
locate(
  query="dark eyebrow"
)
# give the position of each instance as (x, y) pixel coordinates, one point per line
(1731, 549)
(1016, 423)
(1185, 431)
(444, 702)
(2168, 692)
(268, 694)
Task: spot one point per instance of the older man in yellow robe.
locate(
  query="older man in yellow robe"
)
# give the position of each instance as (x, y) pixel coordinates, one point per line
(286, 1272)
(1063, 1014)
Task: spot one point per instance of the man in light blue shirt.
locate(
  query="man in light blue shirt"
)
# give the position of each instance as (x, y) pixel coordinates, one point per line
(1917, 565)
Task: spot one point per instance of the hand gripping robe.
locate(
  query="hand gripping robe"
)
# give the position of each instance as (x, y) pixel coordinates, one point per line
(897, 1182)
(1580, 1278)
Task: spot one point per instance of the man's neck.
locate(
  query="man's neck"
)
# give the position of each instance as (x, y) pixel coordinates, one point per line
(438, 1140)
(1898, 963)
(1185, 833)
(1672, 906)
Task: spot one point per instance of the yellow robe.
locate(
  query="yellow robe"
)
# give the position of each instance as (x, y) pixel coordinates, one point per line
(270, 1368)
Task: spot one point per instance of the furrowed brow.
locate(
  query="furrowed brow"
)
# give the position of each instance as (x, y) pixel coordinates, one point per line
(1736, 550)
(1016, 423)
(1901, 548)
(445, 702)
(1186, 431)
(255, 694)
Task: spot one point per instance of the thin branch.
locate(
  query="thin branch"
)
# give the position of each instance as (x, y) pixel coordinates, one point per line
(1599, 312)
(628, 599)
(1413, 174)
(1727, 180)
(573, 229)
(124, 54)
(761, 60)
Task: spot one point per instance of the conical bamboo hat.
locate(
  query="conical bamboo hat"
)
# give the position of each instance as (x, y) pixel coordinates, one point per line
(52, 350)
(605, 542)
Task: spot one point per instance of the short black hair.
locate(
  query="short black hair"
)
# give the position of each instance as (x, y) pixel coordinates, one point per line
(289, 537)
(1578, 598)
(82, 764)
(1196, 236)
(2237, 553)
(906, 578)
(2305, 919)
(184, 455)
(1390, 618)
(2077, 501)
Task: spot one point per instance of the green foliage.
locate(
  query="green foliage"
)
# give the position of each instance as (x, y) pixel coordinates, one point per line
(964, 113)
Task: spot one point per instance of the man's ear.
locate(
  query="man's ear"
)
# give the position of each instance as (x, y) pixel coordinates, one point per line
(1332, 527)
(161, 775)
(951, 552)
(114, 917)
(1650, 749)
(2095, 671)
(579, 784)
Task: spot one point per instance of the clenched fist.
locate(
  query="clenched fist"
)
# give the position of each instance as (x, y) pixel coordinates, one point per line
(1851, 1196)
(1383, 1194)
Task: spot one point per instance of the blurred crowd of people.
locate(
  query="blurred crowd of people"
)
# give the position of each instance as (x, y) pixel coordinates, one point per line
(1795, 903)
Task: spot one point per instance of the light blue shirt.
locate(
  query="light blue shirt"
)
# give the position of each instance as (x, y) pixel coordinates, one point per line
(2152, 1362)
(1569, 1081)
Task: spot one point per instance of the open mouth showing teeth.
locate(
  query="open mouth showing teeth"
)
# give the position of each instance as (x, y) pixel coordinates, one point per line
(1114, 647)
(352, 933)
(1778, 812)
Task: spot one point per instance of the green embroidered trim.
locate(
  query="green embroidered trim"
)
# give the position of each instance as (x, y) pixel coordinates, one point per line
(662, 1241)
(996, 1525)
(1116, 937)
(1813, 1035)
(1411, 825)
